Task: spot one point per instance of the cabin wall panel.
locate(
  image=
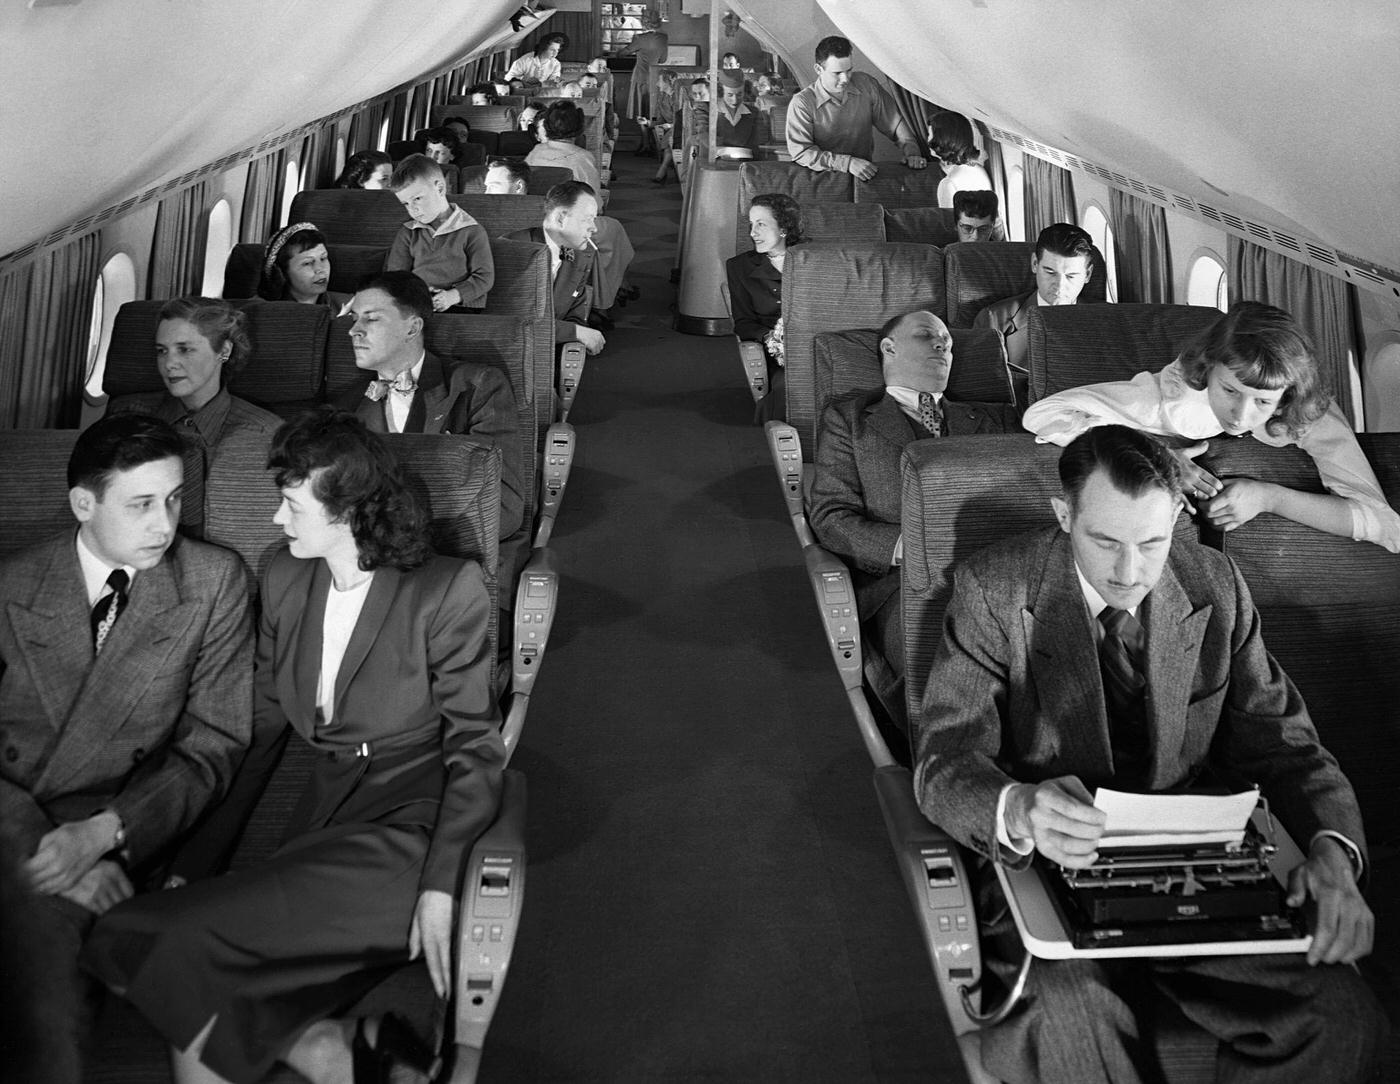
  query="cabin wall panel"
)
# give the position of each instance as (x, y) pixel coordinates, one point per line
(132, 234)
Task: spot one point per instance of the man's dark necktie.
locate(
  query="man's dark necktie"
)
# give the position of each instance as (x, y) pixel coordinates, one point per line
(195, 463)
(930, 413)
(108, 608)
(1121, 661)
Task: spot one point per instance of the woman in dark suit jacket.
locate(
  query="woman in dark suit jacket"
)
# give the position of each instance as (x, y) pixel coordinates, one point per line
(374, 650)
(756, 285)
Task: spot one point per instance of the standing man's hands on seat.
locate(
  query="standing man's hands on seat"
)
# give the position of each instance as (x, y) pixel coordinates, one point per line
(916, 161)
(591, 338)
(1059, 816)
(1342, 924)
(861, 169)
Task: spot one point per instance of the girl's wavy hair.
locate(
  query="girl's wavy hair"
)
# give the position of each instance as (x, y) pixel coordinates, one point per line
(360, 167)
(1264, 348)
(356, 477)
(787, 213)
(219, 322)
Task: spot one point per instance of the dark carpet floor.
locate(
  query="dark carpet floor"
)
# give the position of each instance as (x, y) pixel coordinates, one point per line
(710, 892)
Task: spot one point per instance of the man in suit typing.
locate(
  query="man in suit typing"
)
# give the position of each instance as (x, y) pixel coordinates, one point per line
(1063, 263)
(570, 221)
(126, 659)
(1100, 653)
(856, 488)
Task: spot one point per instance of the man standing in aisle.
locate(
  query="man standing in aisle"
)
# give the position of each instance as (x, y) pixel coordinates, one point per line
(829, 124)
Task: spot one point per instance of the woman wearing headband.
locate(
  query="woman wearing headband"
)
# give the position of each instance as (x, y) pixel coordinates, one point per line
(297, 267)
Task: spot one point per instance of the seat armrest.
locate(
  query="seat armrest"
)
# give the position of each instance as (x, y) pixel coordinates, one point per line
(755, 364)
(572, 356)
(785, 446)
(493, 891)
(936, 876)
(536, 600)
(558, 459)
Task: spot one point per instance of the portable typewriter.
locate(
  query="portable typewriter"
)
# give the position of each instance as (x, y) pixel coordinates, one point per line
(1159, 895)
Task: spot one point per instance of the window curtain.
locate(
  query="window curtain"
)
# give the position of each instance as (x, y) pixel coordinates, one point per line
(177, 254)
(317, 156)
(996, 168)
(364, 129)
(398, 117)
(418, 103)
(262, 198)
(1049, 196)
(1321, 303)
(1141, 249)
(46, 316)
(915, 111)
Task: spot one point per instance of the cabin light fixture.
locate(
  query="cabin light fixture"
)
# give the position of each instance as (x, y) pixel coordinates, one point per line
(53, 4)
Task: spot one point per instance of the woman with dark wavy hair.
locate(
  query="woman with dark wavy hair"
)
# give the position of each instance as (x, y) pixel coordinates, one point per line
(756, 284)
(374, 650)
(366, 169)
(1253, 372)
(297, 267)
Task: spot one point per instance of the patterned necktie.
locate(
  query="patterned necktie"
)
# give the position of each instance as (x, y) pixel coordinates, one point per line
(196, 470)
(930, 413)
(403, 384)
(1121, 664)
(566, 255)
(108, 607)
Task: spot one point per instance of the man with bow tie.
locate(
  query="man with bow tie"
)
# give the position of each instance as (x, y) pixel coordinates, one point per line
(126, 664)
(855, 504)
(570, 221)
(414, 392)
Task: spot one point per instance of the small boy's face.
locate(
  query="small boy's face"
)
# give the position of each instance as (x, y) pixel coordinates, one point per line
(439, 153)
(479, 98)
(425, 201)
(731, 97)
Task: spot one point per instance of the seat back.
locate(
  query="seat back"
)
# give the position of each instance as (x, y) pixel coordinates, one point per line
(285, 370)
(501, 214)
(243, 270)
(921, 225)
(896, 185)
(472, 181)
(349, 264)
(789, 179)
(1329, 608)
(959, 496)
(1073, 345)
(34, 486)
(848, 360)
(481, 118)
(836, 287)
(506, 342)
(400, 149)
(842, 223)
(523, 285)
(351, 216)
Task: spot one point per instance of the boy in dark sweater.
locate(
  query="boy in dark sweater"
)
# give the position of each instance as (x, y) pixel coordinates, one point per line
(441, 244)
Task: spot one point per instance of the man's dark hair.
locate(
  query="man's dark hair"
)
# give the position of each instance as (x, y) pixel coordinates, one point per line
(518, 168)
(563, 120)
(975, 204)
(1065, 240)
(566, 194)
(1134, 462)
(448, 137)
(118, 443)
(787, 213)
(835, 45)
(409, 292)
(357, 478)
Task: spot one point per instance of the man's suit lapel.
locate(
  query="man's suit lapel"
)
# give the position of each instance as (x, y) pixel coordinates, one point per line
(56, 635)
(430, 402)
(1175, 632)
(1022, 316)
(1064, 663)
(297, 684)
(887, 420)
(155, 623)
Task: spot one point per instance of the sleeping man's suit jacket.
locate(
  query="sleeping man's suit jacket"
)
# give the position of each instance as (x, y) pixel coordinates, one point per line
(153, 726)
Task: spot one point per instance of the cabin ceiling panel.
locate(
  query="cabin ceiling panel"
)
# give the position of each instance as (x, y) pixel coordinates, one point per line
(1276, 109)
(104, 99)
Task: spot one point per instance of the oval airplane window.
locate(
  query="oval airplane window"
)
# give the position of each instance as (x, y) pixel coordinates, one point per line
(1095, 224)
(1383, 386)
(217, 248)
(383, 134)
(1015, 204)
(1206, 285)
(290, 187)
(116, 285)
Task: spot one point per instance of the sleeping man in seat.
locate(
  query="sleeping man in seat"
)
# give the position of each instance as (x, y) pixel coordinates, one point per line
(856, 489)
(1101, 653)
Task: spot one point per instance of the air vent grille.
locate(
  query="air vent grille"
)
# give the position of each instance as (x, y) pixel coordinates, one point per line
(1360, 272)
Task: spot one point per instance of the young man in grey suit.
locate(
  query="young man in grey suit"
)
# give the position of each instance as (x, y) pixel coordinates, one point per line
(126, 660)
(856, 487)
(1099, 653)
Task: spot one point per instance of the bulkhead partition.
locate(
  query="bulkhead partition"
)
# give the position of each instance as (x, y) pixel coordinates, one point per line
(839, 287)
(1074, 345)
